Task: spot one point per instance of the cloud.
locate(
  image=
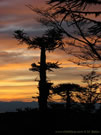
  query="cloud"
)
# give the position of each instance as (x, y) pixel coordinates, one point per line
(14, 14)
(16, 81)
(18, 56)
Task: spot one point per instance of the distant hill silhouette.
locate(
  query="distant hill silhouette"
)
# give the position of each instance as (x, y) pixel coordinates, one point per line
(12, 106)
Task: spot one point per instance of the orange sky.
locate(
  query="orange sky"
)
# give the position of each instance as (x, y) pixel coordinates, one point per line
(16, 81)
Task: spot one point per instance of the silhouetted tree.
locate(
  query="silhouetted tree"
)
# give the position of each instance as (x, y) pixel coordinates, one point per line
(91, 93)
(66, 92)
(70, 17)
(49, 41)
(81, 7)
(86, 36)
(87, 95)
(76, 13)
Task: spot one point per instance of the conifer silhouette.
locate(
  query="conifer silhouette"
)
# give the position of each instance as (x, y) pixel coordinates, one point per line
(65, 91)
(71, 17)
(49, 41)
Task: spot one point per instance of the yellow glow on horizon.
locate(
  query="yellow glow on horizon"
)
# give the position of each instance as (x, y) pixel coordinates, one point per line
(20, 93)
(16, 84)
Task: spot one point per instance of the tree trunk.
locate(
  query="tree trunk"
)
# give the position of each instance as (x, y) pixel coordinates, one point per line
(43, 89)
(68, 103)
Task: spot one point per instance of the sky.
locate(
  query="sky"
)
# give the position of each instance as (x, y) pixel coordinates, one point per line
(17, 83)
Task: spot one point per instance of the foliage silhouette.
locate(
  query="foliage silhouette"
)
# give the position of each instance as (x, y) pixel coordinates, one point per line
(49, 41)
(91, 94)
(71, 18)
(66, 92)
(88, 96)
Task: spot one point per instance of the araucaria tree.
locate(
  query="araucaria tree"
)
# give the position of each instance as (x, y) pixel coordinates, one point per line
(65, 91)
(49, 41)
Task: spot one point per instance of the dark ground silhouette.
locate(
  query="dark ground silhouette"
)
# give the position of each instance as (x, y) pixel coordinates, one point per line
(53, 121)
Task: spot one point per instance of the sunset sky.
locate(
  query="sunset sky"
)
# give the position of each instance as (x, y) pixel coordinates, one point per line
(16, 81)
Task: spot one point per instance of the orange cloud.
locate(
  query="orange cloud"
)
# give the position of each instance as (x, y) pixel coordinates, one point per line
(16, 81)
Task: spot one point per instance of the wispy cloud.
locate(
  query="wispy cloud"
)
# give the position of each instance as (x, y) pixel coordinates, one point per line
(15, 60)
